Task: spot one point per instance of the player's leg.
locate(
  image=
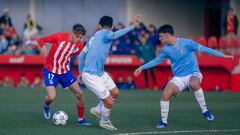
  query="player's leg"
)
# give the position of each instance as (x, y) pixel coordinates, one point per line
(170, 90)
(114, 92)
(70, 81)
(51, 81)
(195, 82)
(97, 86)
(51, 95)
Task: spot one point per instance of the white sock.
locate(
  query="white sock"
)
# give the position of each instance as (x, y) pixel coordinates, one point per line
(164, 105)
(201, 100)
(99, 106)
(105, 113)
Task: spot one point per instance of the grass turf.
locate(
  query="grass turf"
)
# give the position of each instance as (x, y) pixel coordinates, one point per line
(134, 111)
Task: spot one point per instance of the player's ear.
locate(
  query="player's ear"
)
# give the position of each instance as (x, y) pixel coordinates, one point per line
(99, 26)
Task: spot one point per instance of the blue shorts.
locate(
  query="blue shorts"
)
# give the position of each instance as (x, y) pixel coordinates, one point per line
(51, 79)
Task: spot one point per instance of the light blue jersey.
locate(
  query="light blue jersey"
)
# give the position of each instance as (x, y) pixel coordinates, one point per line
(182, 56)
(97, 49)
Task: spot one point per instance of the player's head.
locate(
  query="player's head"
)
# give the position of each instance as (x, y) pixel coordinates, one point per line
(165, 33)
(78, 31)
(106, 22)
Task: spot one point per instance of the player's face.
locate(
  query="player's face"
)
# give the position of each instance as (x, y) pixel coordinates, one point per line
(163, 37)
(77, 36)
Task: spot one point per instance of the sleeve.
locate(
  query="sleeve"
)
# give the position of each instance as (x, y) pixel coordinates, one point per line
(81, 58)
(197, 47)
(160, 58)
(48, 39)
(119, 33)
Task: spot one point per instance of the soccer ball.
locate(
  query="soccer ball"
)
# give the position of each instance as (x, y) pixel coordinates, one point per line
(60, 118)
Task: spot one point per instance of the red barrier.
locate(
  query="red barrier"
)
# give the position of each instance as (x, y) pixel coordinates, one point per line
(216, 71)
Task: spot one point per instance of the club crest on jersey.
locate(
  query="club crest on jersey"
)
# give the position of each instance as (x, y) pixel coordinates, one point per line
(51, 81)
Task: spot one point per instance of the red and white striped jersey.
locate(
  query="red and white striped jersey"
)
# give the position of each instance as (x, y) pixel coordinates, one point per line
(61, 51)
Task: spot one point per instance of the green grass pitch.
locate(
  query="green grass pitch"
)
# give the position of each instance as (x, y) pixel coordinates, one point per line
(135, 112)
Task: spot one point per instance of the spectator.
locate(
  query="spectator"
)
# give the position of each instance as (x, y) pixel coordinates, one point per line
(8, 82)
(146, 53)
(121, 84)
(130, 83)
(153, 36)
(9, 32)
(3, 44)
(230, 24)
(2, 27)
(23, 81)
(37, 82)
(32, 23)
(12, 49)
(5, 18)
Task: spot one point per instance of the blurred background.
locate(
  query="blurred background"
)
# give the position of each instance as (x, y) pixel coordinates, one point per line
(213, 23)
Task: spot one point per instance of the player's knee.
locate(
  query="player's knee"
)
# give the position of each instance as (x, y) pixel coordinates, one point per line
(108, 102)
(195, 85)
(115, 94)
(166, 96)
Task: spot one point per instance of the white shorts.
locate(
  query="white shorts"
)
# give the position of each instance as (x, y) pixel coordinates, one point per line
(184, 81)
(100, 86)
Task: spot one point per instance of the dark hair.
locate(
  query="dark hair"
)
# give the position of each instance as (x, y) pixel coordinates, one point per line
(166, 29)
(78, 28)
(106, 21)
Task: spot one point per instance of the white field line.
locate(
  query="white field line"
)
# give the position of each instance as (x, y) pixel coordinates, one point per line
(177, 132)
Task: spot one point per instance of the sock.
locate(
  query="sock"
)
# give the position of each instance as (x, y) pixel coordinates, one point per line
(80, 110)
(47, 102)
(105, 113)
(201, 100)
(99, 106)
(164, 105)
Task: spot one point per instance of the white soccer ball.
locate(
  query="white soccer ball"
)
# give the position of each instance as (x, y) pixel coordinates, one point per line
(60, 118)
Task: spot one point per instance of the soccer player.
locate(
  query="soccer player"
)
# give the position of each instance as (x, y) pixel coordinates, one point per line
(56, 69)
(181, 52)
(92, 70)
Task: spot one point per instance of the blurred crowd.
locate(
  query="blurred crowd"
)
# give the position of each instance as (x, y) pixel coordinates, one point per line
(11, 42)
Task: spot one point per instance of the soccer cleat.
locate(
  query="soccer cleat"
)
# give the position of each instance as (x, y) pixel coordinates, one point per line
(94, 112)
(208, 116)
(46, 112)
(84, 122)
(107, 125)
(161, 125)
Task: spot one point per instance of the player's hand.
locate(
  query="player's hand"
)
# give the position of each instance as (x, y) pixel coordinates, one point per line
(80, 79)
(137, 71)
(136, 20)
(229, 57)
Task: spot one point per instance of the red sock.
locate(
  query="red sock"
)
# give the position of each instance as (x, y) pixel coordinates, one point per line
(80, 109)
(47, 102)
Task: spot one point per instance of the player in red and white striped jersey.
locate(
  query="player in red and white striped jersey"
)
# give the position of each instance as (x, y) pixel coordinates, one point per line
(56, 70)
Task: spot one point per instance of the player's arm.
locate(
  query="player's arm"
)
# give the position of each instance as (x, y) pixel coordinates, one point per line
(160, 58)
(47, 39)
(81, 58)
(119, 33)
(200, 48)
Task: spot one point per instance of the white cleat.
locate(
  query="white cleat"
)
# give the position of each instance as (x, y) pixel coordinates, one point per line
(107, 125)
(95, 113)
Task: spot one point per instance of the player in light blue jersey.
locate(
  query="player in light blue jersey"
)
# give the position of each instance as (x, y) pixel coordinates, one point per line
(92, 68)
(185, 69)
